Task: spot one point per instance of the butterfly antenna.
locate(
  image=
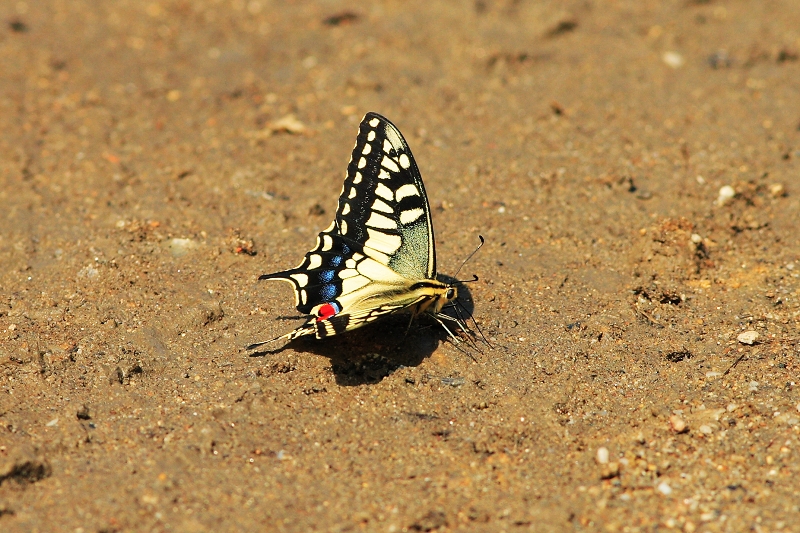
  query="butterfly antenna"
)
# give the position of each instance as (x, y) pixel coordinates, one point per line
(470, 257)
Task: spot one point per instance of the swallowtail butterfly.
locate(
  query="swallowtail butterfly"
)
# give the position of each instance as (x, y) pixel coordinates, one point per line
(377, 257)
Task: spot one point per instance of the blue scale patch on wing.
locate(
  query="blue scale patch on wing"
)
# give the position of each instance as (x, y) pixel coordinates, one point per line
(316, 280)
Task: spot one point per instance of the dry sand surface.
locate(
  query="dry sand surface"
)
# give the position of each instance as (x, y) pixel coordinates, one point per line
(632, 165)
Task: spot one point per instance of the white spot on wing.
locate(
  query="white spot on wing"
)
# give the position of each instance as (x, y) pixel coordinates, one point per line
(357, 178)
(301, 279)
(371, 135)
(314, 261)
(362, 163)
(391, 165)
(303, 297)
(352, 193)
(376, 255)
(374, 122)
(394, 137)
(367, 149)
(344, 227)
(346, 209)
(383, 242)
(380, 205)
(387, 146)
(384, 192)
(409, 189)
(348, 273)
(376, 220)
(410, 215)
(327, 241)
(404, 161)
(384, 175)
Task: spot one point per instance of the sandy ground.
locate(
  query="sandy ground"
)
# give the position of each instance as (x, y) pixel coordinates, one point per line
(156, 157)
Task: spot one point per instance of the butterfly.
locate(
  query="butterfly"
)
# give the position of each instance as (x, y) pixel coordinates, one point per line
(378, 255)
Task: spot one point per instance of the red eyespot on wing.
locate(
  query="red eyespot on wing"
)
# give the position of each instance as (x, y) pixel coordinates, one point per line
(325, 312)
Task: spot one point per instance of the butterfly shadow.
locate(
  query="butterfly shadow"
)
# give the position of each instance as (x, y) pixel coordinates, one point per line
(368, 355)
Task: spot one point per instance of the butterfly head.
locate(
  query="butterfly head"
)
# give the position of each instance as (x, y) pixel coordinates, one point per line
(450, 293)
(438, 295)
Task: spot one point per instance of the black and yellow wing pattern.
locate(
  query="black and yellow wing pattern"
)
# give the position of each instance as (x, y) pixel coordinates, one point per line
(378, 256)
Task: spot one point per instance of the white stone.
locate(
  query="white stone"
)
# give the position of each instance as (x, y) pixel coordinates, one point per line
(673, 59)
(602, 455)
(748, 337)
(726, 194)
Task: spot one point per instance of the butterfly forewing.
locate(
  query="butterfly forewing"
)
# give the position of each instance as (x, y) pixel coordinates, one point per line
(383, 205)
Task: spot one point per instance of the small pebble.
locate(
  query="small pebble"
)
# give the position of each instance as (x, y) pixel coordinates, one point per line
(664, 489)
(787, 418)
(678, 424)
(602, 455)
(753, 386)
(673, 59)
(52, 423)
(88, 272)
(705, 429)
(180, 247)
(748, 337)
(287, 124)
(726, 193)
(777, 190)
(719, 59)
(454, 382)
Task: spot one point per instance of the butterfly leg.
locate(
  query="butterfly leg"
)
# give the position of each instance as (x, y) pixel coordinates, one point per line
(438, 318)
(462, 326)
(456, 340)
(410, 321)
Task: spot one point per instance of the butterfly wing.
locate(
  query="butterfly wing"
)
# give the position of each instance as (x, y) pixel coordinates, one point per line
(371, 260)
(383, 205)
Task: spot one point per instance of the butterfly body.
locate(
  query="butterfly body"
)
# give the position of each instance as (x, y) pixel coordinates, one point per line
(378, 256)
